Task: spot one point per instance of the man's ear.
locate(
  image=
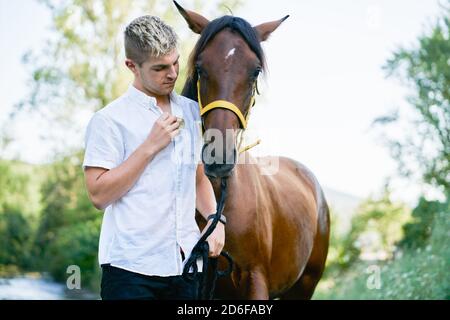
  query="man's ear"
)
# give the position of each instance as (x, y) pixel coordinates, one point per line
(131, 65)
(265, 29)
(195, 21)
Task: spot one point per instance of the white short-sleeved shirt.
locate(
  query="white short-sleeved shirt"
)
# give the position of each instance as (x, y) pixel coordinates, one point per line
(143, 231)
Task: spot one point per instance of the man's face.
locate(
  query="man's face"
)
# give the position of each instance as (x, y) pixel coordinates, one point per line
(158, 75)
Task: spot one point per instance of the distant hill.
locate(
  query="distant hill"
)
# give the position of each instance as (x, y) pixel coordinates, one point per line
(342, 205)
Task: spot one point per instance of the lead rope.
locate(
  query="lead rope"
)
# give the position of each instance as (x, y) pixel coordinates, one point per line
(201, 251)
(201, 248)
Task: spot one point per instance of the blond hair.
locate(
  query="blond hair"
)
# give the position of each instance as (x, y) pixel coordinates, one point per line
(148, 36)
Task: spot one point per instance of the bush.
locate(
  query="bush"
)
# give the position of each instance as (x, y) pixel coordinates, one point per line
(420, 272)
(418, 231)
(375, 229)
(69, 225)
(15, 237)
(76, 245)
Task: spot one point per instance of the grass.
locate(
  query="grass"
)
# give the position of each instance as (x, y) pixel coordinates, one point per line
(417, 274)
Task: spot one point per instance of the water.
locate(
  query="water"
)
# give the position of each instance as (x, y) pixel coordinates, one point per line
(39, 288)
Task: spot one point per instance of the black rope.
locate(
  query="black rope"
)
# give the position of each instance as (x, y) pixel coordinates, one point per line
(201, 250)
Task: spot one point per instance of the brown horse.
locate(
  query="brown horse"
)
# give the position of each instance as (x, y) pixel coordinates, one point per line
(278, 224)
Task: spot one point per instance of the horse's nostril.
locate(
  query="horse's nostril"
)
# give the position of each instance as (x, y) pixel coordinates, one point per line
(218, 171)
(211, 155)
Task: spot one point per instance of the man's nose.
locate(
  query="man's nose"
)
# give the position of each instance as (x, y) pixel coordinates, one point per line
(172, 73)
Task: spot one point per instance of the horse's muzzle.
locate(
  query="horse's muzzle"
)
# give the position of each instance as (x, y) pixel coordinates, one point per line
(218, 170)
(217, 167)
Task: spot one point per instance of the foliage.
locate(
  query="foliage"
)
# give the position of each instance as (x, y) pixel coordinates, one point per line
(76, 244)
(425, 69)
(416, 273)
(19, 204)
(62, 231)
(418, 231)
(375, 229)
(17, 186)
(66, 204)
(418, 268)
(16, 238)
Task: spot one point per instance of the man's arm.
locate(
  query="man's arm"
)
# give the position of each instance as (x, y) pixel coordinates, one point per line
(206, 205)
(106, 186)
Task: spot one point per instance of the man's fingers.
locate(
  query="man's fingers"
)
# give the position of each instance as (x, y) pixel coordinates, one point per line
(215, 249)
(164, 116)
(174, 133)
(214, 253)
(173, 126)
(212, 249)
(170, 120)
(166, 119)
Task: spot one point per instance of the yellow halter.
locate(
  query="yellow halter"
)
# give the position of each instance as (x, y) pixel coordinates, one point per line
(223, 104)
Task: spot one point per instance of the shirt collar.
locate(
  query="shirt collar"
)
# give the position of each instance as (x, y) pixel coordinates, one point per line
(140, 97)
(147, 101)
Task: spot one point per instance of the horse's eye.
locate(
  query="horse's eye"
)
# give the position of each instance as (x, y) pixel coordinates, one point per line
(256, 72)
(198, 69)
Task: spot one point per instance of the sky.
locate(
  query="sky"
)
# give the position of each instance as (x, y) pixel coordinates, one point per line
(324, 88)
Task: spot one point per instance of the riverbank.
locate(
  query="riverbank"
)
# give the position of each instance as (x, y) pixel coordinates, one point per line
(36, 286)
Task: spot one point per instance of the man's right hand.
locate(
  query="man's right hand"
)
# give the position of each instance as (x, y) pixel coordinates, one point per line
(106, 186)
(163, 131)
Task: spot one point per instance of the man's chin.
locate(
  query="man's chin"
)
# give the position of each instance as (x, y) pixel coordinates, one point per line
(167, 90)
(162, 91)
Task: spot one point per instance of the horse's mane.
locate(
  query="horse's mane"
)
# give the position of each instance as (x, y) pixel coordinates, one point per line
(236, 24)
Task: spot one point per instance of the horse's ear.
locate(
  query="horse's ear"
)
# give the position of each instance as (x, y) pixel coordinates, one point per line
(265, 29)
(195, 21)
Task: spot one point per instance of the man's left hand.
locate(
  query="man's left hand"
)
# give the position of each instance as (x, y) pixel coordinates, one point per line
(216, 239)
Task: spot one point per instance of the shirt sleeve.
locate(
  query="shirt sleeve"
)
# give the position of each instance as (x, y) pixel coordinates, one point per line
(103, 143)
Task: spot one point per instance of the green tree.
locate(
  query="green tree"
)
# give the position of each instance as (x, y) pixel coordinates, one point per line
(375, 229)
(425, 152)
(418, 231)
(69, 226)
(417, 273)
(16, 234)
(14, 181)
(66, 203)
(19, 205)
(425, 69)
(420, 269)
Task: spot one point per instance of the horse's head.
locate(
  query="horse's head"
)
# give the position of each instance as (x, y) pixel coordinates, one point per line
(223, 70)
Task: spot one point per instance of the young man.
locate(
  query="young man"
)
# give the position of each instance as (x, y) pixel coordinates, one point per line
(141, 165)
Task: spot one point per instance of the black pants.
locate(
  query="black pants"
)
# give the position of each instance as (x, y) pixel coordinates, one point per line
(119, 284)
